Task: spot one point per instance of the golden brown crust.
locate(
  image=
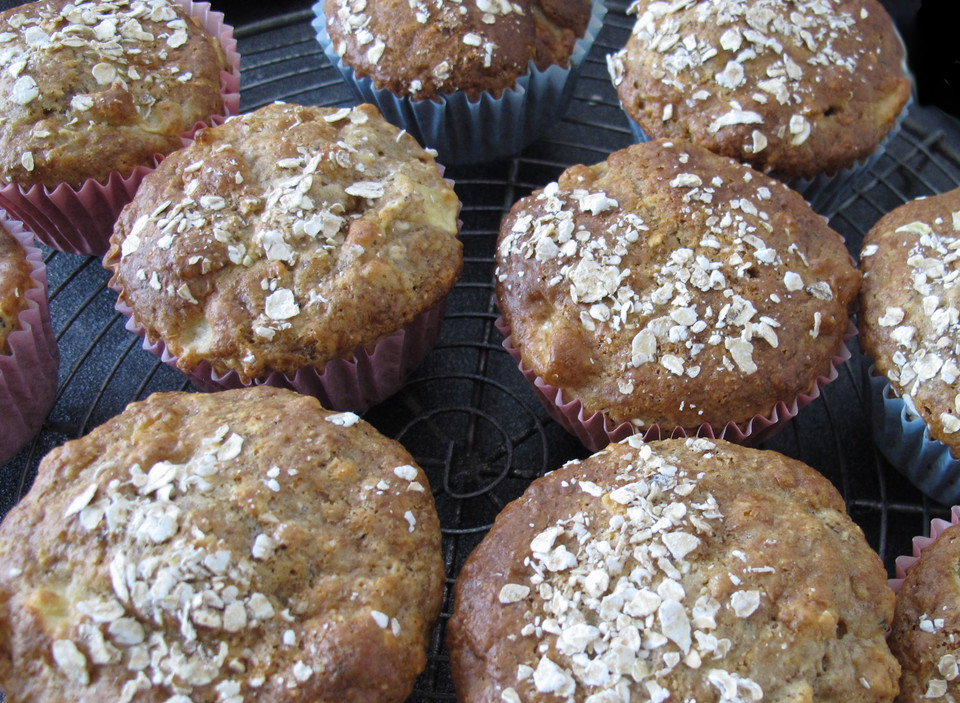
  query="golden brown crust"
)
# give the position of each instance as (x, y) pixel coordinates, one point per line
(422, 48)
(925, 636)
(206, 544)
(15, 280)
(692, 568)
(94, 87)
(669, 285)
(312, 231)
(797, 88)
(909, 308)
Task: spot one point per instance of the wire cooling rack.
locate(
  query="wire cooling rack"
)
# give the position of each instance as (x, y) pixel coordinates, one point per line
(466, 414)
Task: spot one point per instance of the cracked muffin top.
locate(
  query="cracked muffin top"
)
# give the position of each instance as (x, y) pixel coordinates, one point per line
(285, 238)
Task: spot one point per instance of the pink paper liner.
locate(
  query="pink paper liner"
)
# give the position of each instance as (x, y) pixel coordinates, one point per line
(937, 527)
(356, 383)
(80, 220)
(596, 431)
(28, 374)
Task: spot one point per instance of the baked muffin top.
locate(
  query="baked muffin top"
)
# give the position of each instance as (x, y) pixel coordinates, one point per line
(422, 48)
(94, 86)
(15, 280)
(285, 238)
(678, 570)
(202, 547)
(797, 88)
(909, 319)
(673, 286)
(926, 622)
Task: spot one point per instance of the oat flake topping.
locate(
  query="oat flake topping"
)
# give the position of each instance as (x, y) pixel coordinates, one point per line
(928, 352)
(611, 593)
(203, 588)
(770, 70)
(109, 33)
(339, 240)
(672, 326)
(757, 28)
(481, 46)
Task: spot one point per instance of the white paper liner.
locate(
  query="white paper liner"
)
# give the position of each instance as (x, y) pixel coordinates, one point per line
(597, 430)
(905, 440)
(471, 132)
(28, 374)
(937, 527)
(80, 220)
(356, 383)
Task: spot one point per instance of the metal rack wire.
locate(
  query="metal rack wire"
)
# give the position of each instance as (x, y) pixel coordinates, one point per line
(467, 415)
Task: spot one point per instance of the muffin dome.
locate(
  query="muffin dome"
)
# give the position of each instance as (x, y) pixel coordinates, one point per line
(675, 570)
(796, 88)
(671, 286)
(203, 547)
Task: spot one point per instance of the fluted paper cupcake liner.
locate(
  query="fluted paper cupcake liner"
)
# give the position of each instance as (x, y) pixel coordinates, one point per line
(28, 374)
(905, 440)
(470, 132)
(80, 220)
(366, 378)
(937, 528)
(596, 430)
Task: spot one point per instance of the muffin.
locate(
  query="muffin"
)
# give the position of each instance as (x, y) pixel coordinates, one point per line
(908, 319)
(475, 80)
(287, 246)
(670, 289)
(28, 350)
(202, 547)
(685, 569)
(924, 633)
(797, 89)
(91, 93)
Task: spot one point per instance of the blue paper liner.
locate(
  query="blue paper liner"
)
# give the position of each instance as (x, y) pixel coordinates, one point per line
(466, 132)
(905, 440)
